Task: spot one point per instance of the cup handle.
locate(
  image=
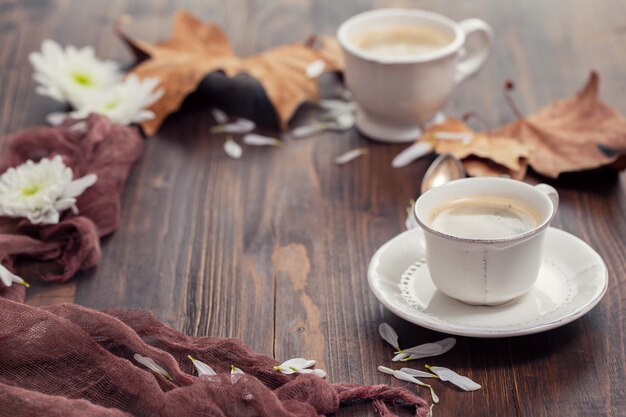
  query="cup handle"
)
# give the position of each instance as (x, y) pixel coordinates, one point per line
(552, 194)
(474, 60)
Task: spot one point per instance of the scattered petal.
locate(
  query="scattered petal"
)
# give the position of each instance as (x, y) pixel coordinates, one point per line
(202, 368)
(308, 130)
(388, 334)
(317, 372)
(411, 221)
(298, 363)
(238, 126)
(427, 350)
(56, 118)
(152, 365)
(8, 278)
(463, 137)
(344, 121)
(315, 68)
(400, 356)
(337, 105)
(350, 155)
(430, 411)
(232, 148)
(235, 370)
(417, 373)
(408, 378)
(410, 154)
(386, 370)
(260, 140)
(220, 117)
(449, 375)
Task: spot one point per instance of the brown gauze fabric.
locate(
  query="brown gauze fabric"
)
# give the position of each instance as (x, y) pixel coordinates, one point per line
(92, 146)
(68, 360)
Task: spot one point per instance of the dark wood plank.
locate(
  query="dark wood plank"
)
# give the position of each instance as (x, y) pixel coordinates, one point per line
(274, 248)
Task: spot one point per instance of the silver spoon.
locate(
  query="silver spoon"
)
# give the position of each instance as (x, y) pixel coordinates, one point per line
(443, 169)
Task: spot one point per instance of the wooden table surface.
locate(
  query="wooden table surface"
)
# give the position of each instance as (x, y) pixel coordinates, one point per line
(274, 248)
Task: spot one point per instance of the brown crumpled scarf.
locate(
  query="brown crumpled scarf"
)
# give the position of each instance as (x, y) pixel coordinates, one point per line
(67, 360)
(92, 146)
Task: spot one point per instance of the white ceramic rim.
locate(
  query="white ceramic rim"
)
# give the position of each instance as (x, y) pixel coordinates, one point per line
(515, 238)
(452, 47)
(481, 332)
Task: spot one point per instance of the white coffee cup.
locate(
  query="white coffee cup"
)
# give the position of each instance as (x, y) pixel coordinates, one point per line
(485, 271)
(397, 95)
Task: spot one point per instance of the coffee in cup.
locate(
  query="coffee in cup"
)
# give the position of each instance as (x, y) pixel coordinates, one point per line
(401, 40)
(484, 217)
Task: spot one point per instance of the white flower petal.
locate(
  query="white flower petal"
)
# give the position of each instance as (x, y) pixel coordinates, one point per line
(232, 149)
(449, 375)
(410, 154)
(77, 187)
(260, 140)
(220, 117)
(317, 372)
(388, 334)
(56, 118)
(411, 221)
(315, 68)
(430, 349)
(400, 356)
(235, 371)
(408, 378)
(202, 368)
(430, 410)
(344, 121)
(8, 278)
(386, 370)
(152, 365)
(463, 137)
(297, 363)
(417, 373)
(447, 343)
(308, 130)
(240, 125)
(337, 105)
(350, 155)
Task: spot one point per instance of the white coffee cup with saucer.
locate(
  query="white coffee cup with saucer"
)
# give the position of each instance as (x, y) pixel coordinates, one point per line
(395, 95)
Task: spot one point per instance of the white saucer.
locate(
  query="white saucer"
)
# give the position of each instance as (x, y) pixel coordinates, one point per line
(572, 280)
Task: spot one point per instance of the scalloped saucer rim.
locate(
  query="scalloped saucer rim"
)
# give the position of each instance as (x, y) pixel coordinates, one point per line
(573, 278)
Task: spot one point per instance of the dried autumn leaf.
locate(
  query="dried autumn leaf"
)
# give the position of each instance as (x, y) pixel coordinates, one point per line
(484, 154)
(565, 135)
(196, 49)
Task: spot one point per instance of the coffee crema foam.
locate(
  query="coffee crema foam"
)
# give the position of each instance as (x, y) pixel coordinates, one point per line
(484, 218)
(397, 41)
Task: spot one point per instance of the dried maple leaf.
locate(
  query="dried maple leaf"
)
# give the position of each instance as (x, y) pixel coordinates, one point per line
(565, 135)
(484, 154)
(195, 49)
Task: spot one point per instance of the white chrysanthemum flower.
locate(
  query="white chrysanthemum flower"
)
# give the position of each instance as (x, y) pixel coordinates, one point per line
(8, 278)
(123, 103)
(41, 191)
(69, 74)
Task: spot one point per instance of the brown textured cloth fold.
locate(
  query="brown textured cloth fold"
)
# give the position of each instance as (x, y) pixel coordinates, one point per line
(68, 361)
(92, 146)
